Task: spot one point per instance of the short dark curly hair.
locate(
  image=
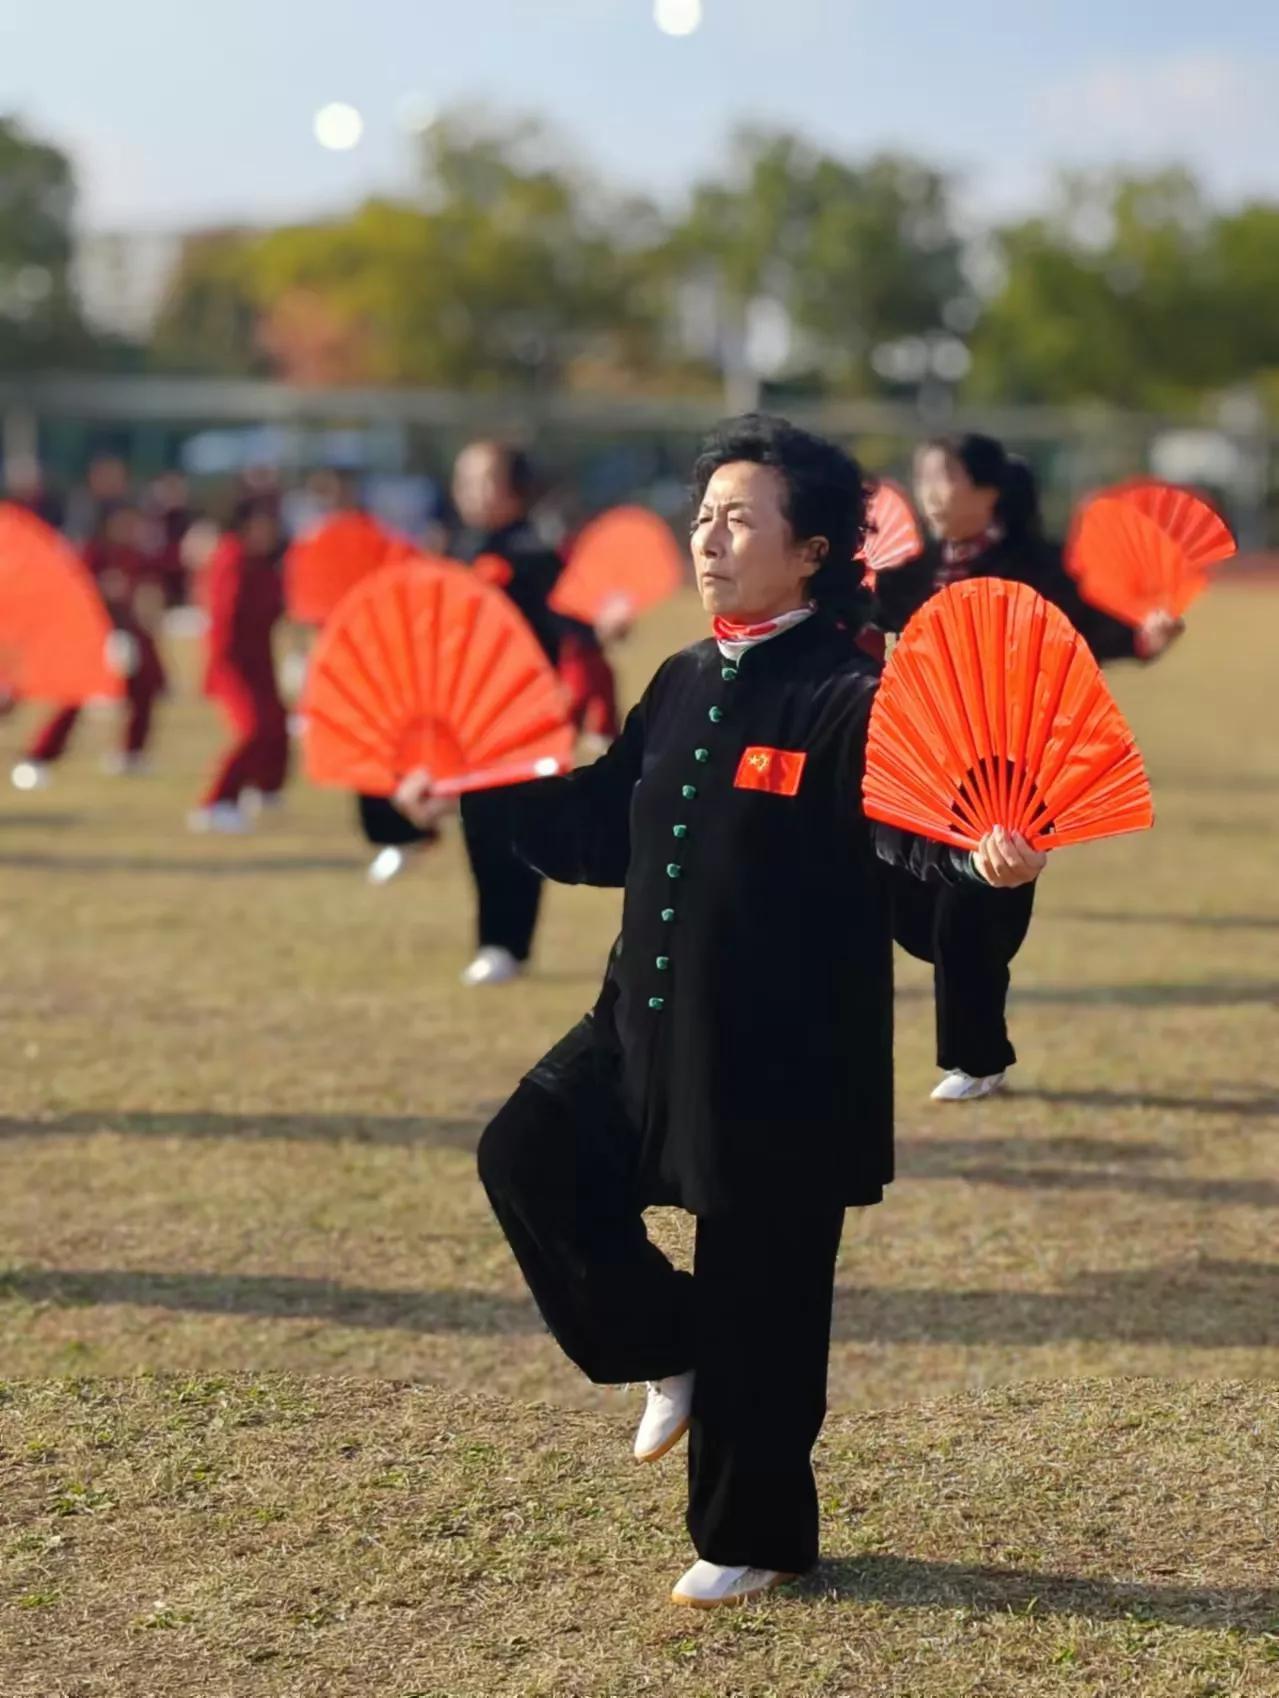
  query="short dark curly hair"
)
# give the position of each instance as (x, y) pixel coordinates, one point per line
(826, 496)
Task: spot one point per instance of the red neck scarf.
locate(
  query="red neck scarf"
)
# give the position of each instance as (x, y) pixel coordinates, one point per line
(735, 638)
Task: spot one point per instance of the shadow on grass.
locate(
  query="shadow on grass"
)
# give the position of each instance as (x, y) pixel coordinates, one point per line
(204, 867)
(1210, 1306)
(419, 1131)
(39, 822)
(1262, 1106)
(1207, 922)
(911, 1583)
(931, 1157)
(276, 1297)
(1026, 1164)
(1213, 1306)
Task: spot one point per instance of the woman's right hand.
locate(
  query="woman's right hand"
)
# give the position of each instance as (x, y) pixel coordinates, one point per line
(416, 801)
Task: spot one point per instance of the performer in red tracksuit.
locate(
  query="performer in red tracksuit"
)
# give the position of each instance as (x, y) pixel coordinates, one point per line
(126, 578)
(244, 597)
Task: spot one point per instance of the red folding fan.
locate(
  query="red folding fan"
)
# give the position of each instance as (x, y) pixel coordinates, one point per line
(1181, 514)
(893, 534)
(426, 666)
(992, 711)
(323, 565)
(624, 562)
(1145, 548)
(1126, 565)
(54, 626)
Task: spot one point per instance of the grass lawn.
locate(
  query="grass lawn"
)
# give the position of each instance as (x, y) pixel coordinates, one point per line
(241, 1095)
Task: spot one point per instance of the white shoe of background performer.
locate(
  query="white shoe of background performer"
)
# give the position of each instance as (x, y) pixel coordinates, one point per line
(961, 1087)
(492, 966)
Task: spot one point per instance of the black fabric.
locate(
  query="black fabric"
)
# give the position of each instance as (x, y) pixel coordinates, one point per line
(534, 565)
(385, 826)
(970, 934)
(752, 1320)
(508, 891)
(753, 1027)
(903, 590)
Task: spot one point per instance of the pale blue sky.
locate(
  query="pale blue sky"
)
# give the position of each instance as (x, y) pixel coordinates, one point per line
(182, 112)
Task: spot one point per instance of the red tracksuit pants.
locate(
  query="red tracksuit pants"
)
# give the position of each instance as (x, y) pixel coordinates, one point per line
(141, 691)
(259, 757)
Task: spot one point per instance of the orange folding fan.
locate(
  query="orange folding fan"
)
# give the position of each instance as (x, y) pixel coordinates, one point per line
(1184, 516)
(1145, 548)
(893, 534)
(626, 561)
(54, 626)
(426, 666)
(323, 565)
(992, 711)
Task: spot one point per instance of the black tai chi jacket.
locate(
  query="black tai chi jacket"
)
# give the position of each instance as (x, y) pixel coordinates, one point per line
(745, 1022)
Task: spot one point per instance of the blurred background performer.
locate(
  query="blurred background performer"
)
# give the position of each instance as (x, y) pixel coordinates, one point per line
(127, 577)
(982, 507)
(492, 494)
(245, 598)
(738, 1063)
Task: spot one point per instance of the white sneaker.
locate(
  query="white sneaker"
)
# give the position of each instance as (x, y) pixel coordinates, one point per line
(492, 966)
(386, 865)
(961, 1087)
(665, 1419)
(31, 775)
(707, 1585)
(224, 817)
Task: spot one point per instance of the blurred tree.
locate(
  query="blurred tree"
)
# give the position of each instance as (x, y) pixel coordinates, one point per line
(40, 320)
(1130, 289)
(209, 319)
(507, 273)
(852, 255)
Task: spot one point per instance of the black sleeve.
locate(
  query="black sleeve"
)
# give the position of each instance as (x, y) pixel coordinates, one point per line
(534, 573)
(919, 857)
(575, 829)
(922, 858)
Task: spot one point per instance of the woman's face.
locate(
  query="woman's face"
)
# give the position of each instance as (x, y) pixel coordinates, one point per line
(482, 490)
(747, 561)
(955, 507)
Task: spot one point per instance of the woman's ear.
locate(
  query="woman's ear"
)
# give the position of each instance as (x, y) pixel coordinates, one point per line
(815, 551)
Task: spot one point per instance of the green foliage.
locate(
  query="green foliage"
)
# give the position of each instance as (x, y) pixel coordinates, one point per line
(208, 322)
(40, 322)
(1132, 290)
(855, 255)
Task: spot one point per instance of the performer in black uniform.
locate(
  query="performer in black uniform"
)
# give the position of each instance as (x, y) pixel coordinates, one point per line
(492, 490)
(738, 1062)
(982, 507)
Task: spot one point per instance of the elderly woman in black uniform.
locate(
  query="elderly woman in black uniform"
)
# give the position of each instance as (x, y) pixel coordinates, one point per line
(738, 1062)
(982, 506)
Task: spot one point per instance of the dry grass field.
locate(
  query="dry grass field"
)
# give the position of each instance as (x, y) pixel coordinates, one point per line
(241, 1094)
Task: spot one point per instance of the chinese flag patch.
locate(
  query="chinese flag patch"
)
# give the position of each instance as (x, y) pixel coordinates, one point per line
(776, 770)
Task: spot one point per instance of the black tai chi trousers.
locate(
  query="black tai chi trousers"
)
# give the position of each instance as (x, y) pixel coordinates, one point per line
(508, 891)
(970, 933)
(752, 1319)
